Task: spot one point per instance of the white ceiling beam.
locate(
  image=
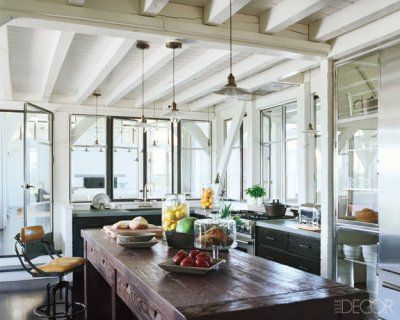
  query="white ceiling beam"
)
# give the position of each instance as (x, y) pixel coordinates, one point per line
(191, 70)
(351, 17)
(117, 49)
(367, 37)
(152, 7)
(276, 73)
(78, 3)
(4, 19)
(159, 58)
(241, 69)
(116, 23)
(5, 74)
(287, 13)
(217, 11)
(56, 60)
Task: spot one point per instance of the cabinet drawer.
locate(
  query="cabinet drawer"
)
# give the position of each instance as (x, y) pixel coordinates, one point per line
(142, 307)
(305, 246)
(101, 264)
(304, 264)
(272, 254)
(272, 238)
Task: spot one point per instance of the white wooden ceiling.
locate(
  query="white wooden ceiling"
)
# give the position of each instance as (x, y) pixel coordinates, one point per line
(63, 66)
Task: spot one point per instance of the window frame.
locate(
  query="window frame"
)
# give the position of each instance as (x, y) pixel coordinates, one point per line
(283, 146)
(175, 149)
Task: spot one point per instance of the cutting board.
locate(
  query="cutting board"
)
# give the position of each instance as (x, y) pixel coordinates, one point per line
(309, 228)
(113, 232)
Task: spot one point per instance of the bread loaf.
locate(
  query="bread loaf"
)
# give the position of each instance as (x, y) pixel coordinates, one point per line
(138, 223)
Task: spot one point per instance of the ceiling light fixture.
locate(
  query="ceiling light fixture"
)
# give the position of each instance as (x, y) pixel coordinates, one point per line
(231, 91)
(96, 94)
(142, 122)
(173, 113)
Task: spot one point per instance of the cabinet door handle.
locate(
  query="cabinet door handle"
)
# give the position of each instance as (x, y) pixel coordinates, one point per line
(390, 286)
(304, 246)
(303, 268)
(270, 238)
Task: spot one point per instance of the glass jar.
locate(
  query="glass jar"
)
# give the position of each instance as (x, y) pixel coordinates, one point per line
(174, 208)
(215, 233)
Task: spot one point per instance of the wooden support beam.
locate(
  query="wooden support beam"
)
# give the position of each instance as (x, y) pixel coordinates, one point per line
(114, 23)
(356, 15)
(367, 37)
(153, 63)
(231, 138)
(216, 12)
(117, 49)
(197, 133)
(78, 3)
(152, 7)
(193, 69)
(244, 68)
(59, 52)
(5, 75)
(287, 13)
(253, 83)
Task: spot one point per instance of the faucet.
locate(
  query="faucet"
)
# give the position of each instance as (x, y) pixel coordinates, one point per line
(146, 190)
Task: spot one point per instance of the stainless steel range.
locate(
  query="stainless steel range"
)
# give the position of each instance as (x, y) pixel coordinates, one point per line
(246, 232)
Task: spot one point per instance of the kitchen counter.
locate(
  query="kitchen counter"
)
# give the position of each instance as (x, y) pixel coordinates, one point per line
(288, 226)
(114, 212)
(119, 282)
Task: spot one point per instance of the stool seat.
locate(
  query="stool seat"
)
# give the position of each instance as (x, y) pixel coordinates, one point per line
(62, 265)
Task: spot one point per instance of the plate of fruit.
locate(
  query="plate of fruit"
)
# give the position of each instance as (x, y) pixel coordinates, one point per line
(194, 262)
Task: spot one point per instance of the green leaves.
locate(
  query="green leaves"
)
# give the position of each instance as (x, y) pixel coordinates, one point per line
(256, 191)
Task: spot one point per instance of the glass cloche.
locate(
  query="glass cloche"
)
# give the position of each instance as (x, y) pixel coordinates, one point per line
(215, 233)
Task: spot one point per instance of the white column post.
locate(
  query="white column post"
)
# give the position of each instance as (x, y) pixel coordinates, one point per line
(253, 145)
(327, 190)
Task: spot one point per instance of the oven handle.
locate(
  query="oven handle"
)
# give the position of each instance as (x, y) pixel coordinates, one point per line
(248, 242)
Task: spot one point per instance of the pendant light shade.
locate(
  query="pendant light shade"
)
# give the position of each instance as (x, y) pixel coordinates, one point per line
(173, 112)
(231, 91)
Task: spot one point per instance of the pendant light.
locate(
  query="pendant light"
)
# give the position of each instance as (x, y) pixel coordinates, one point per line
(231, 91)
(96, 94)
(173, 113)
(142, 122)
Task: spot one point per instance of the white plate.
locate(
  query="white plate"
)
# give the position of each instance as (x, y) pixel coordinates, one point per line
(137, 245)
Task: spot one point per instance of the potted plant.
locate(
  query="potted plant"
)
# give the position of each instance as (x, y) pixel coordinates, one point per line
(255, 195)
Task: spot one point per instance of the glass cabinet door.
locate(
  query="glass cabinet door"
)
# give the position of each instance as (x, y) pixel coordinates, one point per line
(357, 140)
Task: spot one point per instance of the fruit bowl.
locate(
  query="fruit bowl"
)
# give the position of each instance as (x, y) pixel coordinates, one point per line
(179, 240)
(170, 266)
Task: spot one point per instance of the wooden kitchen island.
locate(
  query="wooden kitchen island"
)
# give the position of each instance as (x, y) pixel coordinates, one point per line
(128, 284)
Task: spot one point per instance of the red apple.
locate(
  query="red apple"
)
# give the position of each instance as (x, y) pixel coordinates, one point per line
(179, 257)
(188, 262)
(201, 263)
(194, 253)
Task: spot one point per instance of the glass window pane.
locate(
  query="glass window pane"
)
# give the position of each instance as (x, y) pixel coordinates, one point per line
(126, 159)
(244, 156)
(276, 170)
(291, 122)
(234, 167)
(291, 172)
(159, 159)
(88, 160)
(195, 157)
(275, 118)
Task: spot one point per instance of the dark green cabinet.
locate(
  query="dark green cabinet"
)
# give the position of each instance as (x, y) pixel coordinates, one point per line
(298, 251)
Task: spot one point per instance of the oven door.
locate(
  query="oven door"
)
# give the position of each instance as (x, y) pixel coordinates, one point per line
(246, 245)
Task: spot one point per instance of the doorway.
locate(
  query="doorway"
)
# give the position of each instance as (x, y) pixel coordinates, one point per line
(26, 182)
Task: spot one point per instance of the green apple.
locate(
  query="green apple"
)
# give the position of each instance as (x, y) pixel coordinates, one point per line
(186, 225)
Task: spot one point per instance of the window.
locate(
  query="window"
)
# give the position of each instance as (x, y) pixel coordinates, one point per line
(195, 157)
(127, 159)
(317, 169)
(88, 160)
(279, 152)
(235, 174)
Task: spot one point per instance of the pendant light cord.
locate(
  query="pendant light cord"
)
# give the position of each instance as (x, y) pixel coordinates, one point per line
(173, 76)
(230, 34)
(142, 83)
(97, 120)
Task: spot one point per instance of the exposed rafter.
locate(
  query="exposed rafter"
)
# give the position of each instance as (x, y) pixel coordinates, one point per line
(114, 23)
(217, 11)
(5, 74)
(366, 37)
(244, 68)
(116, 51)
(152, 7)
(287, 13)
(58, 54)
(276, 73)
(78, 3)
(154, 62)
(193, 69)
(351, 17)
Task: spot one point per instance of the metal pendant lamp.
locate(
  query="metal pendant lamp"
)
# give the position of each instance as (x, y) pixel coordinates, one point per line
(173, 113)
(142, 122)
(231, 91)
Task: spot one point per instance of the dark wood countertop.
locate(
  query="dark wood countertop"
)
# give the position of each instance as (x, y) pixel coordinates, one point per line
(244, 287)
